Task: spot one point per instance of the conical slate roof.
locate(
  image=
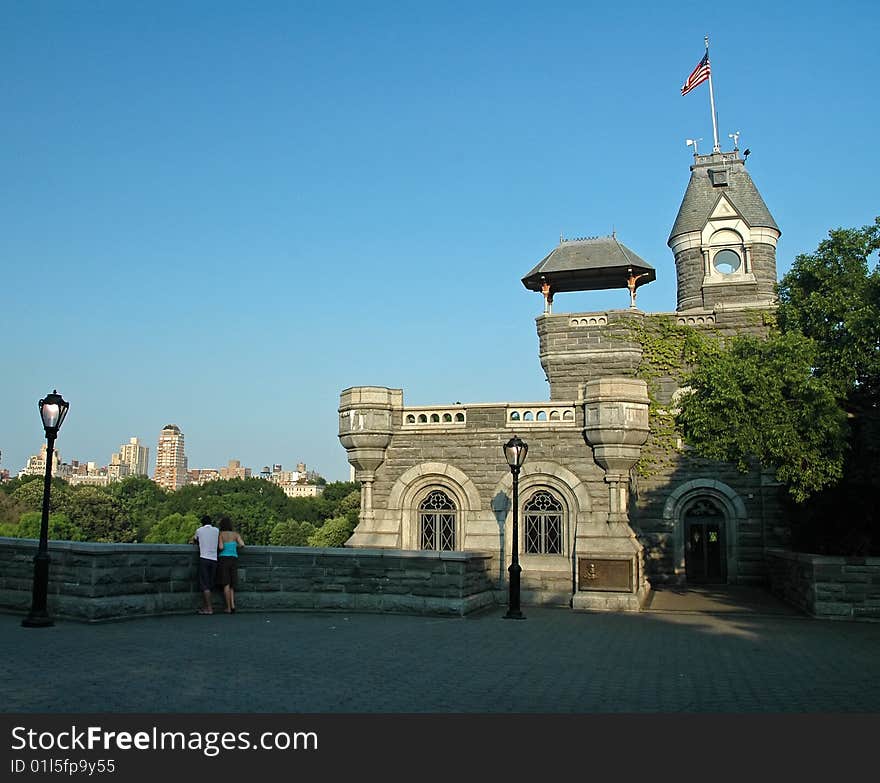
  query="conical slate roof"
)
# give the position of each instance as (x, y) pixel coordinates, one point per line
(713, 175)
(589, 264)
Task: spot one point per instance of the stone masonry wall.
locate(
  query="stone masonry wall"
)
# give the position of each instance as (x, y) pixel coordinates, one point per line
(94, 582)
(827, 587)
(689, 272)
(741, 322)
(763, 261)
(574, 350)
(466, 456)
(763, 521)
(476, 451)
(729, 294)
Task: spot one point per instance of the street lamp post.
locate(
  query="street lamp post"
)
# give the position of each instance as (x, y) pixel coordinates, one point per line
(515, 451)
(53, 409)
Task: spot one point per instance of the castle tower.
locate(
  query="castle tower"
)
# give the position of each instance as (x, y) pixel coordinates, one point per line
(574, 350)
(724, 238)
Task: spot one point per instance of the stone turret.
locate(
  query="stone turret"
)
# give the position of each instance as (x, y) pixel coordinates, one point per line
(365, 430)
(724, 238)
(616, 428)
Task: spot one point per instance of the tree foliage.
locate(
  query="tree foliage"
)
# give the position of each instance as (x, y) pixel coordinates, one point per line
(291, 533)
(29, 494)
(60, 528)
(137, 509)
(140, 500)
(333, 533)
(174, 529)
(10, 509)
(832, 296)
(806, 401)
(338, 490)
(99, 515)
(755, 399)
(8, 487)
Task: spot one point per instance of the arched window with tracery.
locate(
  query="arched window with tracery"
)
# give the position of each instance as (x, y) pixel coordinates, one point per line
(437, 517)
(543, 524)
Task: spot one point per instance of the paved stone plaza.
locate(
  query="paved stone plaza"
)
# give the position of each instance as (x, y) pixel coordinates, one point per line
(691, 652)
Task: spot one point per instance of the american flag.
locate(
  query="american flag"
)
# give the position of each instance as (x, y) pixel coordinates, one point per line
(698, 76)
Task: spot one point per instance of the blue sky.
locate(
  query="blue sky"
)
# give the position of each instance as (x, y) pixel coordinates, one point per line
(221, 214)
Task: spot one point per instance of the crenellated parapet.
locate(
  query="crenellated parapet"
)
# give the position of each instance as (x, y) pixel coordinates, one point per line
(579, 347)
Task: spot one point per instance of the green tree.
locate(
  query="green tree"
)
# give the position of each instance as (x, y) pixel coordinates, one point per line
(29, 494)
(291, 533)
(174, 529)
(350, 507)
(8, 487)
(337, 490)
(10, 509)
(142, 502)
(333, 533)
(314, 510)
(806, 402)
(60, 528)
(755, 399)
(833, 297)
(254, 506)
(98, 515)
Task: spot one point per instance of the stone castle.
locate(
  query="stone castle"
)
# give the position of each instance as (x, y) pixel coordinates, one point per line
(610, 500)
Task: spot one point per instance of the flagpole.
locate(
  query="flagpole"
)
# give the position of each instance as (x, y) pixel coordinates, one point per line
(717, 147)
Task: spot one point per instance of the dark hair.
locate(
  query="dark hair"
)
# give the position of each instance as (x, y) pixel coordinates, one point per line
(225, 523)
(205, 519)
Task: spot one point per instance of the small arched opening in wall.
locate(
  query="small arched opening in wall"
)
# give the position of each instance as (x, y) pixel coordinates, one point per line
(414, 498)
(705, 516)
(727, 254)
(556, 564)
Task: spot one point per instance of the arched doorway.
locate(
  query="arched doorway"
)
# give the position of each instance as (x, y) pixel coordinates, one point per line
(705, 552)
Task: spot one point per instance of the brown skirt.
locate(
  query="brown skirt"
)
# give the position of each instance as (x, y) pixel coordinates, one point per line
(227, 571)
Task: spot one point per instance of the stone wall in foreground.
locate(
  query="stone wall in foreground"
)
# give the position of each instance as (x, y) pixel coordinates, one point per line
(846, 588)
(93, 582)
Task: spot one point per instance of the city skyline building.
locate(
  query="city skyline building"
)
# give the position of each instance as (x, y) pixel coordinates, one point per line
(294, 483)
(234, 470)
(172, 470)
(171, 463)
(135, 456)
(36, 464)
(199, 476)
(87, 474)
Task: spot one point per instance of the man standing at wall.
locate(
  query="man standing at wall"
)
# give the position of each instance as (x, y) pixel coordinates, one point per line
(206, 537)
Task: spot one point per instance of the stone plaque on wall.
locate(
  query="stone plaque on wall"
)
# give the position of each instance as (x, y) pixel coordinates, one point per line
(604, 574)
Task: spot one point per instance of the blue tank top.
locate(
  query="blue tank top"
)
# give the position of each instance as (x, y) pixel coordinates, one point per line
(230, 549)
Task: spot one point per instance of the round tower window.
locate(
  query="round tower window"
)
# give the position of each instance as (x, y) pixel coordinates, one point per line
(726, 261)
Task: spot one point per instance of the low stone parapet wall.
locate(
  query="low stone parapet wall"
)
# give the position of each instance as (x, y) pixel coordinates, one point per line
(93, 582)
(827, 587)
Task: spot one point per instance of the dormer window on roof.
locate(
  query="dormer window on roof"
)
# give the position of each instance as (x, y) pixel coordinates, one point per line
(718, 177)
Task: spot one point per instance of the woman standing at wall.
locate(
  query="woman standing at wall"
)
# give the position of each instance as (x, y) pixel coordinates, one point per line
(228, 545)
